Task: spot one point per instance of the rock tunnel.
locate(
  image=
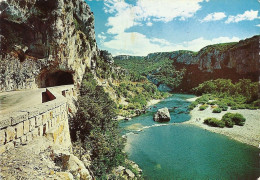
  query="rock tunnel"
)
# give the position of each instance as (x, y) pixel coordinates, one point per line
(58, 78)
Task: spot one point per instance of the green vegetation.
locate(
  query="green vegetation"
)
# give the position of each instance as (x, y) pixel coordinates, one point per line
(156, 68)
(169, 76)
(214, 122)
(136, 94)
(217, 110)
(95, 128)
(193, 105)
(233, 119)
(203, 107)
(240, 95)
(136, 64)
(132, 91)
(228, 120)
(220, 47)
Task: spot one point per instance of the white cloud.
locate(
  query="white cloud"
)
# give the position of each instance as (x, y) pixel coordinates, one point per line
(102, 37)
(160, 41)
(248, 15)
(214, 16)
(197, 44)
(138, 44)
(132, 43)
(258, 25)
(126, 15)
(167, 10)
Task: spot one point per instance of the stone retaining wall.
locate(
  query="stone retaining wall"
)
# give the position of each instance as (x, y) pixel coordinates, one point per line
(48, 119)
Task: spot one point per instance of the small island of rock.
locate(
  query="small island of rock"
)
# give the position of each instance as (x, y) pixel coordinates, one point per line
(162, 115)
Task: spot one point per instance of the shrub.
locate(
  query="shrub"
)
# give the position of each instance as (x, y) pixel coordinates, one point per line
(131, 106)
(238, 119)
(203, 99)
(256, 103)
(193, 105)
(252, 107)
(224, 108)
(241, 106)
(203, 107)
(231, 119)
(214, 122)
(234, 107)
(217, 110)
(229, 123)
(212, 103)
(227, 118)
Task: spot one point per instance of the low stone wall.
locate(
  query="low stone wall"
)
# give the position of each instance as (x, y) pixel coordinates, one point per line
(48, 119)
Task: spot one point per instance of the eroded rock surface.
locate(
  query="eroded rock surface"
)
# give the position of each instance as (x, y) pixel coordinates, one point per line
(162, 115)
(44, 39)
(42, 160)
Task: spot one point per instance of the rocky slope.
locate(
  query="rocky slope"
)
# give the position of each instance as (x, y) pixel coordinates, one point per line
(230, 60)
(45, 43)
(50, 43)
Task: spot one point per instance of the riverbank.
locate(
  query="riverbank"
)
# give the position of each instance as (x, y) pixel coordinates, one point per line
(149, 103)
(249, 133)
(153, 102)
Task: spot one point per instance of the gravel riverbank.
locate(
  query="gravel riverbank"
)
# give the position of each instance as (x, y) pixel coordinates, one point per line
(249, 133)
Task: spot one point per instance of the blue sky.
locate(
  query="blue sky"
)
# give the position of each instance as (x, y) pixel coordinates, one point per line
(139, 27)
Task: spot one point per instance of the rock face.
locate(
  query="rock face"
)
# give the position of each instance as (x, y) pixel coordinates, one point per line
(162, 115)
(107, 56)
(45, 43)
(229, 60)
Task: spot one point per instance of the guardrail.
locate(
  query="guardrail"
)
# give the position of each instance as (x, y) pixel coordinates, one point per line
(49, 119)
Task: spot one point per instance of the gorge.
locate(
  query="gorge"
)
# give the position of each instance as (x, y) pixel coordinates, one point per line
(61, 96)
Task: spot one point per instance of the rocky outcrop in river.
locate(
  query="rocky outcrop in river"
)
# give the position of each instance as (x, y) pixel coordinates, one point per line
(162, 115)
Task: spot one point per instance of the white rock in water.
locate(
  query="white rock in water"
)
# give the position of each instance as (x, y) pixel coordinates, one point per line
(162, 115)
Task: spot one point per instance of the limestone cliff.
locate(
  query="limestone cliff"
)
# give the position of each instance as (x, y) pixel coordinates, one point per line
(241, 56)
(229, 60)
(45, 43)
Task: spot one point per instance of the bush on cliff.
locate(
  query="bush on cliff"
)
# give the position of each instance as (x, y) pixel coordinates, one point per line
(97, 130)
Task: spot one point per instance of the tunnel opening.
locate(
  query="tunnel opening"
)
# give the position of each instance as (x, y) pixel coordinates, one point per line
(58, 78)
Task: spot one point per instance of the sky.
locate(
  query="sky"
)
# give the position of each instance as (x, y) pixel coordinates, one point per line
(139, 27)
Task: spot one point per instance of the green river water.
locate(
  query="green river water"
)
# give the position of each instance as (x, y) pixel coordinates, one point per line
(179, 151)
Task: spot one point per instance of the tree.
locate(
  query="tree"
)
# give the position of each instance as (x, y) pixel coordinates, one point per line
(98, 131)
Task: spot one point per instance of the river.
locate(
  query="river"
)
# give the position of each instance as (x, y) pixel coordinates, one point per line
(174, 150)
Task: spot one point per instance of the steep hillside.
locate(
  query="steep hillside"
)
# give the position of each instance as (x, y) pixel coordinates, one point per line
(188, 69)
(130, 91)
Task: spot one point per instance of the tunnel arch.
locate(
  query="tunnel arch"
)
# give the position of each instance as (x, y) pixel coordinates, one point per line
(58, 78)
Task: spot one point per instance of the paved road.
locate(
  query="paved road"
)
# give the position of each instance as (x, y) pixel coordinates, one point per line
(17, 100)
